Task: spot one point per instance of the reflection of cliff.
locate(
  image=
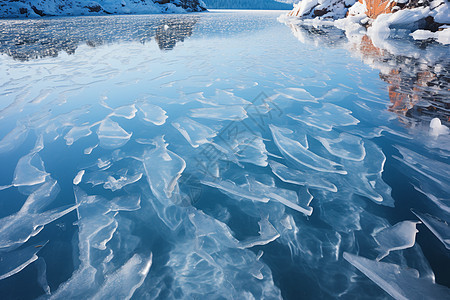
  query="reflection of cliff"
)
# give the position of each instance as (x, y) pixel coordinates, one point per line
(30, 39)
(417, 88)
(172, 31)
(417, 74)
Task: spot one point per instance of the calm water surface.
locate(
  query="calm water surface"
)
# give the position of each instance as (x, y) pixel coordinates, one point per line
(237, 155)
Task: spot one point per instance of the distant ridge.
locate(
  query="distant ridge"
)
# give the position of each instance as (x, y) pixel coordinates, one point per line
(248, 4)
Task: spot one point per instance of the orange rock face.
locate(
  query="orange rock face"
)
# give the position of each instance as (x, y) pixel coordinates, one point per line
(378, 7)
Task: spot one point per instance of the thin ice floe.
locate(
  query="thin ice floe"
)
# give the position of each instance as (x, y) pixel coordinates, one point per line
(346, 146)
(215, 259)
(152, 113)
(116, 184)
(231, 188)
(78, 177)
(13, 139)
(111, 135)
(257, 191)
(267, 232)
(126, 111)
(42, 275)
(432, 174)
(400, 283)
(223, 97)
(89, 150)
(440, 228)
(14, 262)
(296, 94)
(30, 171)
(124, 282)
(294, 150)
(195, 133)
(77, 133)
(366, 179)
(326, 117)
(291, 175)
(220, 113)
(18, 228)
(163, 168)
(397, 237)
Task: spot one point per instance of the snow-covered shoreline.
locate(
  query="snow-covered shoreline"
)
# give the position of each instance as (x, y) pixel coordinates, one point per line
(46, 8)
(424, 20)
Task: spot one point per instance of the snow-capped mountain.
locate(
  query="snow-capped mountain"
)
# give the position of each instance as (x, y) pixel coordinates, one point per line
(39, 8)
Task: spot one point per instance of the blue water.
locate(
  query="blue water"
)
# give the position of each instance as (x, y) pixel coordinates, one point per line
(179, 123)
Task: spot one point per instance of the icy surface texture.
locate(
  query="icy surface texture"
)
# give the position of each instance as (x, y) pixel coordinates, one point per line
(216, 156)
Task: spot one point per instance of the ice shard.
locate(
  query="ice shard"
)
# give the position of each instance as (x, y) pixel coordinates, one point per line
(294, 176)
(77, 133)
(13, 139)
(195, 133)
(397, 237)
(126, 111)
(111, 135)
(163, 168)
(116, 184)
(298, 153)
(326, 117)
(12, 263)
(440, 228)
(267, 232)
(123, 283)
(400, 283)
(152, 113)
(30, 171)
(220, 113)
(346, 146)
(18, 228)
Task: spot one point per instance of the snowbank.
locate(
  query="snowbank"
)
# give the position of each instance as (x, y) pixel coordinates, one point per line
(382, 19)
(40, 8)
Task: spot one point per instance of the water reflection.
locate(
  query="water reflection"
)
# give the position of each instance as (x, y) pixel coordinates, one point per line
(417, 73)
(30, 39)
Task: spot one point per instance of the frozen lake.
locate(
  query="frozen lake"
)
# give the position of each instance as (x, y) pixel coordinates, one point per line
(222, 155)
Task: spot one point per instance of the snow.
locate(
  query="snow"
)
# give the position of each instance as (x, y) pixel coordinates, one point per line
(329, 9)
(436, 127)
(38, 8)
(380, 28)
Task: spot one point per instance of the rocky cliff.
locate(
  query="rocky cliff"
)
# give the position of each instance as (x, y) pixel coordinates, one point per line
(424, 19)
(41, 8)
(337, 9)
